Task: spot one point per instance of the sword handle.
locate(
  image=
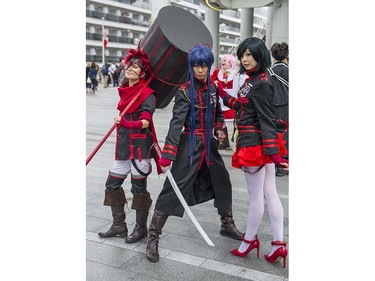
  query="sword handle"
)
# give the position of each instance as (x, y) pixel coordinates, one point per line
(157, 149)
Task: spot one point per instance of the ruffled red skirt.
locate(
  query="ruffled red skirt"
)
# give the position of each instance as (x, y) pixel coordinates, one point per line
(254, 155)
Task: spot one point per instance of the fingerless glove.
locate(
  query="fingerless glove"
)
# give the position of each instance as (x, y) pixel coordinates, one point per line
(277, 159)
(220, 90)
(164, 162)
(131, 124)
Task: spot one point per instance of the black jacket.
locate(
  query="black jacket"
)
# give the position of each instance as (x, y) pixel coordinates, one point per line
(136, 143)
(199, 182)
(255, 115)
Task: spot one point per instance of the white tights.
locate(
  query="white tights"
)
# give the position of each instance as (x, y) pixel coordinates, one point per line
(262, 186)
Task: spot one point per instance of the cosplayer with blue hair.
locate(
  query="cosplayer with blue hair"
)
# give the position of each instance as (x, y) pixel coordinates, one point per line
(202, 56)
(198, 169)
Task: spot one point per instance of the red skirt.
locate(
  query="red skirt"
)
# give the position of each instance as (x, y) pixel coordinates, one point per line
(254, 155)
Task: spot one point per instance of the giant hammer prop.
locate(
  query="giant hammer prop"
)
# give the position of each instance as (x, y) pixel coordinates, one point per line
(167, 43)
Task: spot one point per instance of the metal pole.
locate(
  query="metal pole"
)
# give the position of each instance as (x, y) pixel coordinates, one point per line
(103, 41)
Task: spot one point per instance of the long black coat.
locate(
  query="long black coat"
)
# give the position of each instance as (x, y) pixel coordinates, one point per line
(199, 182)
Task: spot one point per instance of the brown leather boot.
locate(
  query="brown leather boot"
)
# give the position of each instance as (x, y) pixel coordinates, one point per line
(156, 225)
(140, 228)
(141, 203)
(228, 228)
(116, 199)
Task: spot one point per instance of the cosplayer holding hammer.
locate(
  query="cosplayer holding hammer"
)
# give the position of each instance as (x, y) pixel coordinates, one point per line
(133, 152)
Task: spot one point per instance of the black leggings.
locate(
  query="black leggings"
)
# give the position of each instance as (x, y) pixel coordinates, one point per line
(94, 82)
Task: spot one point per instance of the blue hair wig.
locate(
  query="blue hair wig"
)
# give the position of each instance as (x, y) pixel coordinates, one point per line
(203, 56)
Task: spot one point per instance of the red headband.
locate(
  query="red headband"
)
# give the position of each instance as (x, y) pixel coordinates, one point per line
(141, 59)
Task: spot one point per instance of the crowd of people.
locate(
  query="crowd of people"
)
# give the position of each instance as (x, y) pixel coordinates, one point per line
(108, 74)
(247, 96)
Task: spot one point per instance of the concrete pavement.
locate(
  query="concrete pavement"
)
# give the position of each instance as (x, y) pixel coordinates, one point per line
(184, 253)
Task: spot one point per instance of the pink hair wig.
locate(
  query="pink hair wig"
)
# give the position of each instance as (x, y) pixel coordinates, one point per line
(231, 59)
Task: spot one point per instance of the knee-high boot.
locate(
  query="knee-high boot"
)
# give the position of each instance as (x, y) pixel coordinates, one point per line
(156, 225)
(141, 203)
(228, 228)
(224, 144)
(115, 197)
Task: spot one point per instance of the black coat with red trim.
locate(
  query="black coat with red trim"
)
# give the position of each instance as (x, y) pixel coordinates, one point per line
(197, 182)
(181, 111)
(256, 121)
(136, 143)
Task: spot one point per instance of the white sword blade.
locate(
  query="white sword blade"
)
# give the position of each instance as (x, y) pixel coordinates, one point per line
(187, 209)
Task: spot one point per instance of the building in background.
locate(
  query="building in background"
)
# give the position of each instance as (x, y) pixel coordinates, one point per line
(125, 22)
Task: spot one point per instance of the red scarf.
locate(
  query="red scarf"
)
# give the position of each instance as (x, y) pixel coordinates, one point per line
(138, 91)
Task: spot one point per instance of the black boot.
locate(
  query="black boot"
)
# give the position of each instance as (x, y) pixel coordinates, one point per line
(224, 144)
(116, 199)
(228, 228)
(141, 203)
(156, 225)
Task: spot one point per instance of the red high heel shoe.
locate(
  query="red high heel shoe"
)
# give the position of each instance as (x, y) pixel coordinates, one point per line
(278, 254)
(253, 244)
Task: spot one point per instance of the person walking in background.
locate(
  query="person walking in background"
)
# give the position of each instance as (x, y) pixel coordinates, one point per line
(198, 168)
(113, 73)
(88, 81)
(225, 76)
(98, 76)
(122, 78)
(280, 80)
(133, 151)
(259, 147)
(105, 74)
(92, 74)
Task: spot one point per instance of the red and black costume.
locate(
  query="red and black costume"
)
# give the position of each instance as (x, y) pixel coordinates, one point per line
(199, 182)
(198, 169)
(256, 124)
(136, 143)
(259, 148)
(133, 152)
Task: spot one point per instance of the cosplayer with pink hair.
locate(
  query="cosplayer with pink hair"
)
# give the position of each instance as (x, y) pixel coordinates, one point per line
(198, 168)
(225, 77)
(133, 153)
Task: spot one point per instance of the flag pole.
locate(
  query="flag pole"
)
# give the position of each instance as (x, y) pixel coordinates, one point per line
(103, 40)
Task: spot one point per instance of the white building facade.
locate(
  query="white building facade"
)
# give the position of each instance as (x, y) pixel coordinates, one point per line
(126, 21)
